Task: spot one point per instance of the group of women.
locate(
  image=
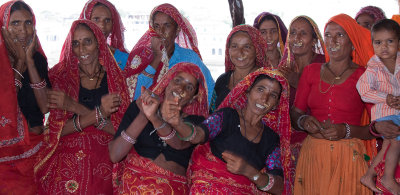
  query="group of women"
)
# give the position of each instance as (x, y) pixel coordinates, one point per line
(152, 121)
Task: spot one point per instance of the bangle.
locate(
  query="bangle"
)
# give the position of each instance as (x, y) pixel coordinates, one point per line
(78, 118)
(18, 73)
(348, 131)
(372, 129)
(74, 123)
(269, 185)
(299, 121)
(127, 138)
(156, 129)
(101, 121)
(168, 137)
(39, 85)
(18, 83)
(192, 134)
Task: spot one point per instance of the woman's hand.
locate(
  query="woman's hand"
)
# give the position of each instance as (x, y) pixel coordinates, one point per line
(150, 104)
(312, 125)
(291, 75)
(171, 111)
(15, 49)
(59, 100)
(388, 129)
(156, 43)
(235, 164)
(333, 132)
(110, 104)
(32, 46)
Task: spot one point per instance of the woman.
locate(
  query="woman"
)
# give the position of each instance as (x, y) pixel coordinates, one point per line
(367, 16)
(23, 86)
(154, 160)
(243, 152)
(331, 160)
(170, 40)
(274, 32)
(106, 16)
(244, 53)
(88, 100)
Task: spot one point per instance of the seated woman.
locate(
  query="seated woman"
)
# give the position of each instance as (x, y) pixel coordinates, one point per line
(170, 39)
(243, 155)
(367, 16)
(88, 100)
(106, 16)
(244, 53)
(331, 159)
(274, 32)
(23, 86)
(153, 159)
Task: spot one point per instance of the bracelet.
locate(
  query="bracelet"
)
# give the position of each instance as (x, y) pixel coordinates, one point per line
(100, 120)
(102, 124)
(127, 138)
(372, 129)
(269, 185)
(192, 134)
(168, 137)
(78, 118)
(18, 83)
(18, 73)
(299, 121)
(348, 131)
(39, 85)
(74, 123)
(156, 129)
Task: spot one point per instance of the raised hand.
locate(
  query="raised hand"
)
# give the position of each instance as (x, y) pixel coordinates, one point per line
(393, 101)
(15, 49)
(32, 46)
(110, 104)
(235, 164)
(150, 103)
(171, 111)
(59, 100)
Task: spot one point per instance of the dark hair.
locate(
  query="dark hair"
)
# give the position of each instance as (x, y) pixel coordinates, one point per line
(262, 77)
(85, 26)
(265, 18)
(386, 24)
(230, 39)
(20, 5)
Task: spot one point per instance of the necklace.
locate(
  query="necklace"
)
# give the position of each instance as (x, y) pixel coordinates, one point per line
(333, 81)
(91, 77)
(245, 129)
(341, 74)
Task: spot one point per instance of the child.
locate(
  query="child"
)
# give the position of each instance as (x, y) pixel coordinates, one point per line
(380, 85)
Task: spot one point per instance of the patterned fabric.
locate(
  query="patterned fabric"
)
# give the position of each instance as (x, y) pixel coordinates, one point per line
(277, 119)
(282, 30)
(274, 160)
(380, 168)
(142, 55)
(258, 41)
(375, 12)
(116, 38)
(214, 124)
(376, 83)
(89, 145)
(288, 58)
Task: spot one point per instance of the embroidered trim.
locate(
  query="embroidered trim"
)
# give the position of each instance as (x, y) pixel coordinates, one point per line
(23, 155)
(20, 129)
(4, 121)
(71, 186)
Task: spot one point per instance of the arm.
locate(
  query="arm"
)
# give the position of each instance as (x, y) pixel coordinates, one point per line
(367, 87)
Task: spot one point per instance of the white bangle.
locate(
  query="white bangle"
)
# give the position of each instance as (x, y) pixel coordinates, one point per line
(348, 131)
(127, 138)
(299, 121)
(18, 72)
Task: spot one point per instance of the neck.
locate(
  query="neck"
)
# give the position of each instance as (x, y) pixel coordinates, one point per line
(250, 117)
(273, 57)
(304, 60)
(90, 69)
(390, 64)
(170, 50)
(339, 65)
(240, 73)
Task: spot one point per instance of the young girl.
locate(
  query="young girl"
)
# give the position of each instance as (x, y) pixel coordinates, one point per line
(380, 85)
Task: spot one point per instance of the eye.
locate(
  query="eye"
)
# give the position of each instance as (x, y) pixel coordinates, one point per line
(177, 80)
(87, 41)
(156, 26)
(390, 41)
(189, 88)
(95, 19)
(340, 34)
(247, 46)
(233, 46)
(376, 42)
(260, 89)
(292, 32)
(15, 23)
(327, 35)
(108, 20)
(75, 44)
(263, 32)
(28, 22)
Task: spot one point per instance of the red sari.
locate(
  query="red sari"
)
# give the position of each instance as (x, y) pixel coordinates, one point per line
(18, 147)
(142, 54)
(208, 174)
(78, 162)
(139, 175)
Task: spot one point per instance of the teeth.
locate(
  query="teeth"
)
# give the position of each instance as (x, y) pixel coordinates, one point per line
(241, 59)
(260, 106)
(298, 44)
(176, 95)
(85, 56)
(269, 43)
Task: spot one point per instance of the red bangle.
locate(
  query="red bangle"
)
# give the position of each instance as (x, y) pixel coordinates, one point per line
(372, 129)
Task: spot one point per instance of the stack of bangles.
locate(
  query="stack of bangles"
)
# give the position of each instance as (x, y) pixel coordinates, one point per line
(77, 123)
(192, 134)
(299, 121)
(372, 129)
(39, 85)
(100, 119)
(18, 83)
(269, 185)
(127, 138)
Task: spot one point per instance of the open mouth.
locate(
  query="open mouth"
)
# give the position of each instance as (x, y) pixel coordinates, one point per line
(260, 106)
(84, 57)
(335, 48)
(178, 95)
(298, 44)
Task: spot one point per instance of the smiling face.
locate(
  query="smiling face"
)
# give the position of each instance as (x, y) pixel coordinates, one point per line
(165, 27)
(182, 87)
(20, 26)
(337, 42)
(365, 21)
(301, 38)
(264, 96)
(269, 31)
(101, 15)
(385, 43)
(84, 45)
(242, 51)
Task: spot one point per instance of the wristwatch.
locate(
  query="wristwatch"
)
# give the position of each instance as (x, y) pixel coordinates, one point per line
(255, 177)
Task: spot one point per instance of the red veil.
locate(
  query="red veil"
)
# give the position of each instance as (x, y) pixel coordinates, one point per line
(277, 119)
(258, 41)
(116, 38)
(64, 76)
(142, 55)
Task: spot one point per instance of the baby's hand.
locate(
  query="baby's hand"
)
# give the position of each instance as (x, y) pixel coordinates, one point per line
(393, 101)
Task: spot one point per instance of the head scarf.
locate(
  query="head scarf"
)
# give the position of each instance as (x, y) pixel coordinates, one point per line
(396, 18)
(375, 12)
(258, 41)
(14, 133)
(116, 38)
(197, 106)
(288, 57)
(359, 36)
(282, 30)
(142, 54)
(277, 119)
(64, 76)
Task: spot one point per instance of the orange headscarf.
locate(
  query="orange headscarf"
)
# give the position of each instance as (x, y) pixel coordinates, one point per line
(359, 37)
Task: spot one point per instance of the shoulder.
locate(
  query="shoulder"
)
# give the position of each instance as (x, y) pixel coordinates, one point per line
(271, 133)
(312, 68)
(224, 77)
(187, 52)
